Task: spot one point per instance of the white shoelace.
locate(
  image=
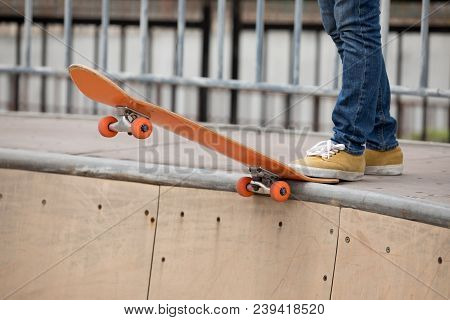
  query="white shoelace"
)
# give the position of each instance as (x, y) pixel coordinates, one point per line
(325, 149)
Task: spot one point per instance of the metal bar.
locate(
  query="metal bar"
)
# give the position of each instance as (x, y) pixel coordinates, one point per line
(424, 44)
(228, 84)
(143, 30)
(181, 24)
(424, 53)
(259, 39)
(44, 41)
(235, 58)
(399, 82)
(337, 60)
(122, 48)
(160, 174)
(96, 58)
(68, 32)
(28, 21)
(104, 36)
(220, 35)
(203, 92)
(385, 16)
(316, 104)
(14, 95)
(298, 14)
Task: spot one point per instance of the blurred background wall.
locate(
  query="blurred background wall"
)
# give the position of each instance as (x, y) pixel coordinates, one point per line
(419, 118)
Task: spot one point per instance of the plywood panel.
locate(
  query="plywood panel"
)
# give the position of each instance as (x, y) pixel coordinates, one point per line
(248, 254)
(69, 248)
(381, 257)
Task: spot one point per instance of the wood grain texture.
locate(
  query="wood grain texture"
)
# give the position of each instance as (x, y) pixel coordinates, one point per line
(69, 248)
(245, 255)
(390, 258)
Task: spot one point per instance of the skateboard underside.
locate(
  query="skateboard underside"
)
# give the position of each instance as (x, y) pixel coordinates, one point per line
(136, 118)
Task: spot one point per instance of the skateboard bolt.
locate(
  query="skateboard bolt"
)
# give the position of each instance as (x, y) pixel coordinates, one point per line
(280, 224)
(152, 220)
(99, 207)
(144, 128)
(146, 212)
(218, 219)
(283, 191)
(325, 278)
(44, 202)
(331, 231)
(388, 249)
(163, 259)
(440, 260)
(182, 213)
(347, 239)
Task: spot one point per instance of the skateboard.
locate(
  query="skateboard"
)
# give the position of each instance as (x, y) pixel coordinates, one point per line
(136, 117)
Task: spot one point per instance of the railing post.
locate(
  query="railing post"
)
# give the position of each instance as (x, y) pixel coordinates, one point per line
(385, 16)
(143, 30)
(235, 58)
(220, 36)
(203, 92)
(104, 36)
(424, 53)
(259, 39)
(68, 50)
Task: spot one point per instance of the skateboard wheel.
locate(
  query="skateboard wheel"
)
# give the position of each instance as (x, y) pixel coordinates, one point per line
(103, 126)
(141, 128)
(241, 186)
(280, 191)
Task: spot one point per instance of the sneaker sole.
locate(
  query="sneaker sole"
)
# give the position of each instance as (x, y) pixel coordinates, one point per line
(328, 173)
(390, 170)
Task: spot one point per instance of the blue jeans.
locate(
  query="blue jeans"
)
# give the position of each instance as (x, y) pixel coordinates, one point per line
(361, 116)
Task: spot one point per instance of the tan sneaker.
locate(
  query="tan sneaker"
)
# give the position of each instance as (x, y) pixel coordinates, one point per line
(329, 160)
(384, 163)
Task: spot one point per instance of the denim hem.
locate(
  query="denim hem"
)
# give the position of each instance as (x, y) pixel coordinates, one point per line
(377, 148)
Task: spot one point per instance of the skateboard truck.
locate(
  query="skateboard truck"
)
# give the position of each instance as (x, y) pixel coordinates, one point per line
(127, 121)
(263, 181)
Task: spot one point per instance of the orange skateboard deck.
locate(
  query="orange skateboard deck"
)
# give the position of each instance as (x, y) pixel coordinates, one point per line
(137, 119)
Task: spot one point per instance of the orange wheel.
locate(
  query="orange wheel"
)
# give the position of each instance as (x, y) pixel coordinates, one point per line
(280, 191)
(241, 186)
(141, 128)
(103, 126)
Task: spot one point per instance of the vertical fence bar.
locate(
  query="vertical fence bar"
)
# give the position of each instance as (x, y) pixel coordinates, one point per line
(424, 53)
(220, 36)
(316, 99)
(298, 14)
(179, 57)
(236, 6)
(104, 36)
(27, 31)
(181, 24)
(68, 42)
(202, 114)
(122, 48)
(259, 39)
(143, 30)
(399, 83)
(14, 80)
(385, 16)
(95, 59)
(44, 41)
(337, 60)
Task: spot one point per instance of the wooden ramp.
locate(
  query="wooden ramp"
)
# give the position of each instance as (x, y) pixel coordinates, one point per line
(68, 237)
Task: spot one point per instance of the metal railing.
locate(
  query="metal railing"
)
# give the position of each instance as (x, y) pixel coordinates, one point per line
(235, 85)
